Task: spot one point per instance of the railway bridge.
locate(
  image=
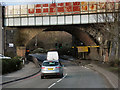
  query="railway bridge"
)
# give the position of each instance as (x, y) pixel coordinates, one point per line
(84, 22)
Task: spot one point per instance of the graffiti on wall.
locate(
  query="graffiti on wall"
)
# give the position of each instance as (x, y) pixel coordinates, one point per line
(60, 8)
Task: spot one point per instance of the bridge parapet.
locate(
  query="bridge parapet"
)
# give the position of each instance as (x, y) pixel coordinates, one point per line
(58, 13)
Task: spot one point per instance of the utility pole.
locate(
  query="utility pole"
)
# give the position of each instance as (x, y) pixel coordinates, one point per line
(119, 31)
(36, 42)
(1, 29)
(53, 1)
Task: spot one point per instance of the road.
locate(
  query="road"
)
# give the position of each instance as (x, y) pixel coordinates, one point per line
(40, 57)
(74, 77)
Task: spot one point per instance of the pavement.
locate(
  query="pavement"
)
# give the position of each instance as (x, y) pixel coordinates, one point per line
(111, 77)
(30, 69)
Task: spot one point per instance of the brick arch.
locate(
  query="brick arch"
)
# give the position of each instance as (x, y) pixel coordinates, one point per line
(41, 32)
(29, 44)
(81, 35)
(31, 33)
(77, 32)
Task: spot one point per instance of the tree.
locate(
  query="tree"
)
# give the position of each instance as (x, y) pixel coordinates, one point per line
(110, 28)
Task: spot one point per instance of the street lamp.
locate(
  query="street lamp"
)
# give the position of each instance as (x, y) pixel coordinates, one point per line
(36, 41)
(2, 8)
(53, 1)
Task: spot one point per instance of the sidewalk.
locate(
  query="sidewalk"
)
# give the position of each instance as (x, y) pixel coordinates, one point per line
(111, 77)
(27, 71)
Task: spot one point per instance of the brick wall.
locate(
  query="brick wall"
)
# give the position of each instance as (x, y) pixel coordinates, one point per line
(21, 51)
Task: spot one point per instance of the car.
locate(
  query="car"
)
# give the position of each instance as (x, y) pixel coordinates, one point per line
(51, 68)
(4, 57)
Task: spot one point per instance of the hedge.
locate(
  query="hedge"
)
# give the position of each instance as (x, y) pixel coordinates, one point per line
(10, 65)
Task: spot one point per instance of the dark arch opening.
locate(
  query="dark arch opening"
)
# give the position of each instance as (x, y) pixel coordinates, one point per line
(74, 31)
(78, 33)
(82, 36)
(47, 40)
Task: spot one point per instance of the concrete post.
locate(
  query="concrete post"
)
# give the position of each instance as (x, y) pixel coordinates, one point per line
(1, 32)
(1, 43)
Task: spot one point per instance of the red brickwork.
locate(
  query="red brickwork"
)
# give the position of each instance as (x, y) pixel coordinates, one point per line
(21, 51)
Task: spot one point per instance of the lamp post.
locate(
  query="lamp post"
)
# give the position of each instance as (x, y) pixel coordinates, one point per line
(2, 28)
(53, 1)
(36, 42)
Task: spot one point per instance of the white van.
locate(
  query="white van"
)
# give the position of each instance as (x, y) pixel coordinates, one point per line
(52, 55)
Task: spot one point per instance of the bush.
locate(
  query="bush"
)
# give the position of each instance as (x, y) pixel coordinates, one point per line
(39, 50)
(115, 63)
(10, 65)
(112, 63)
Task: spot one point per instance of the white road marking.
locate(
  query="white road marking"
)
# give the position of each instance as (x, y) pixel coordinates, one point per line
(57, 81)
(65, 75)
(85, 67)
(51, 85)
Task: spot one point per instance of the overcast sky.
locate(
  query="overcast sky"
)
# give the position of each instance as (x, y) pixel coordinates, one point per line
(14, 2)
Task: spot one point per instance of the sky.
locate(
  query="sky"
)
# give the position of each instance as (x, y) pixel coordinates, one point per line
(14, 2)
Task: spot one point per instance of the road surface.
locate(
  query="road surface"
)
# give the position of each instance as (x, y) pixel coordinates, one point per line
(74, 77)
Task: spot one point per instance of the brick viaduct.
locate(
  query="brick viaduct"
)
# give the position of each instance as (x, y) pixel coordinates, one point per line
(89, 35)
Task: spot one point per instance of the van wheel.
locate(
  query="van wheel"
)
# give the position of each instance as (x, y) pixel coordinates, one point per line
(42, 77)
